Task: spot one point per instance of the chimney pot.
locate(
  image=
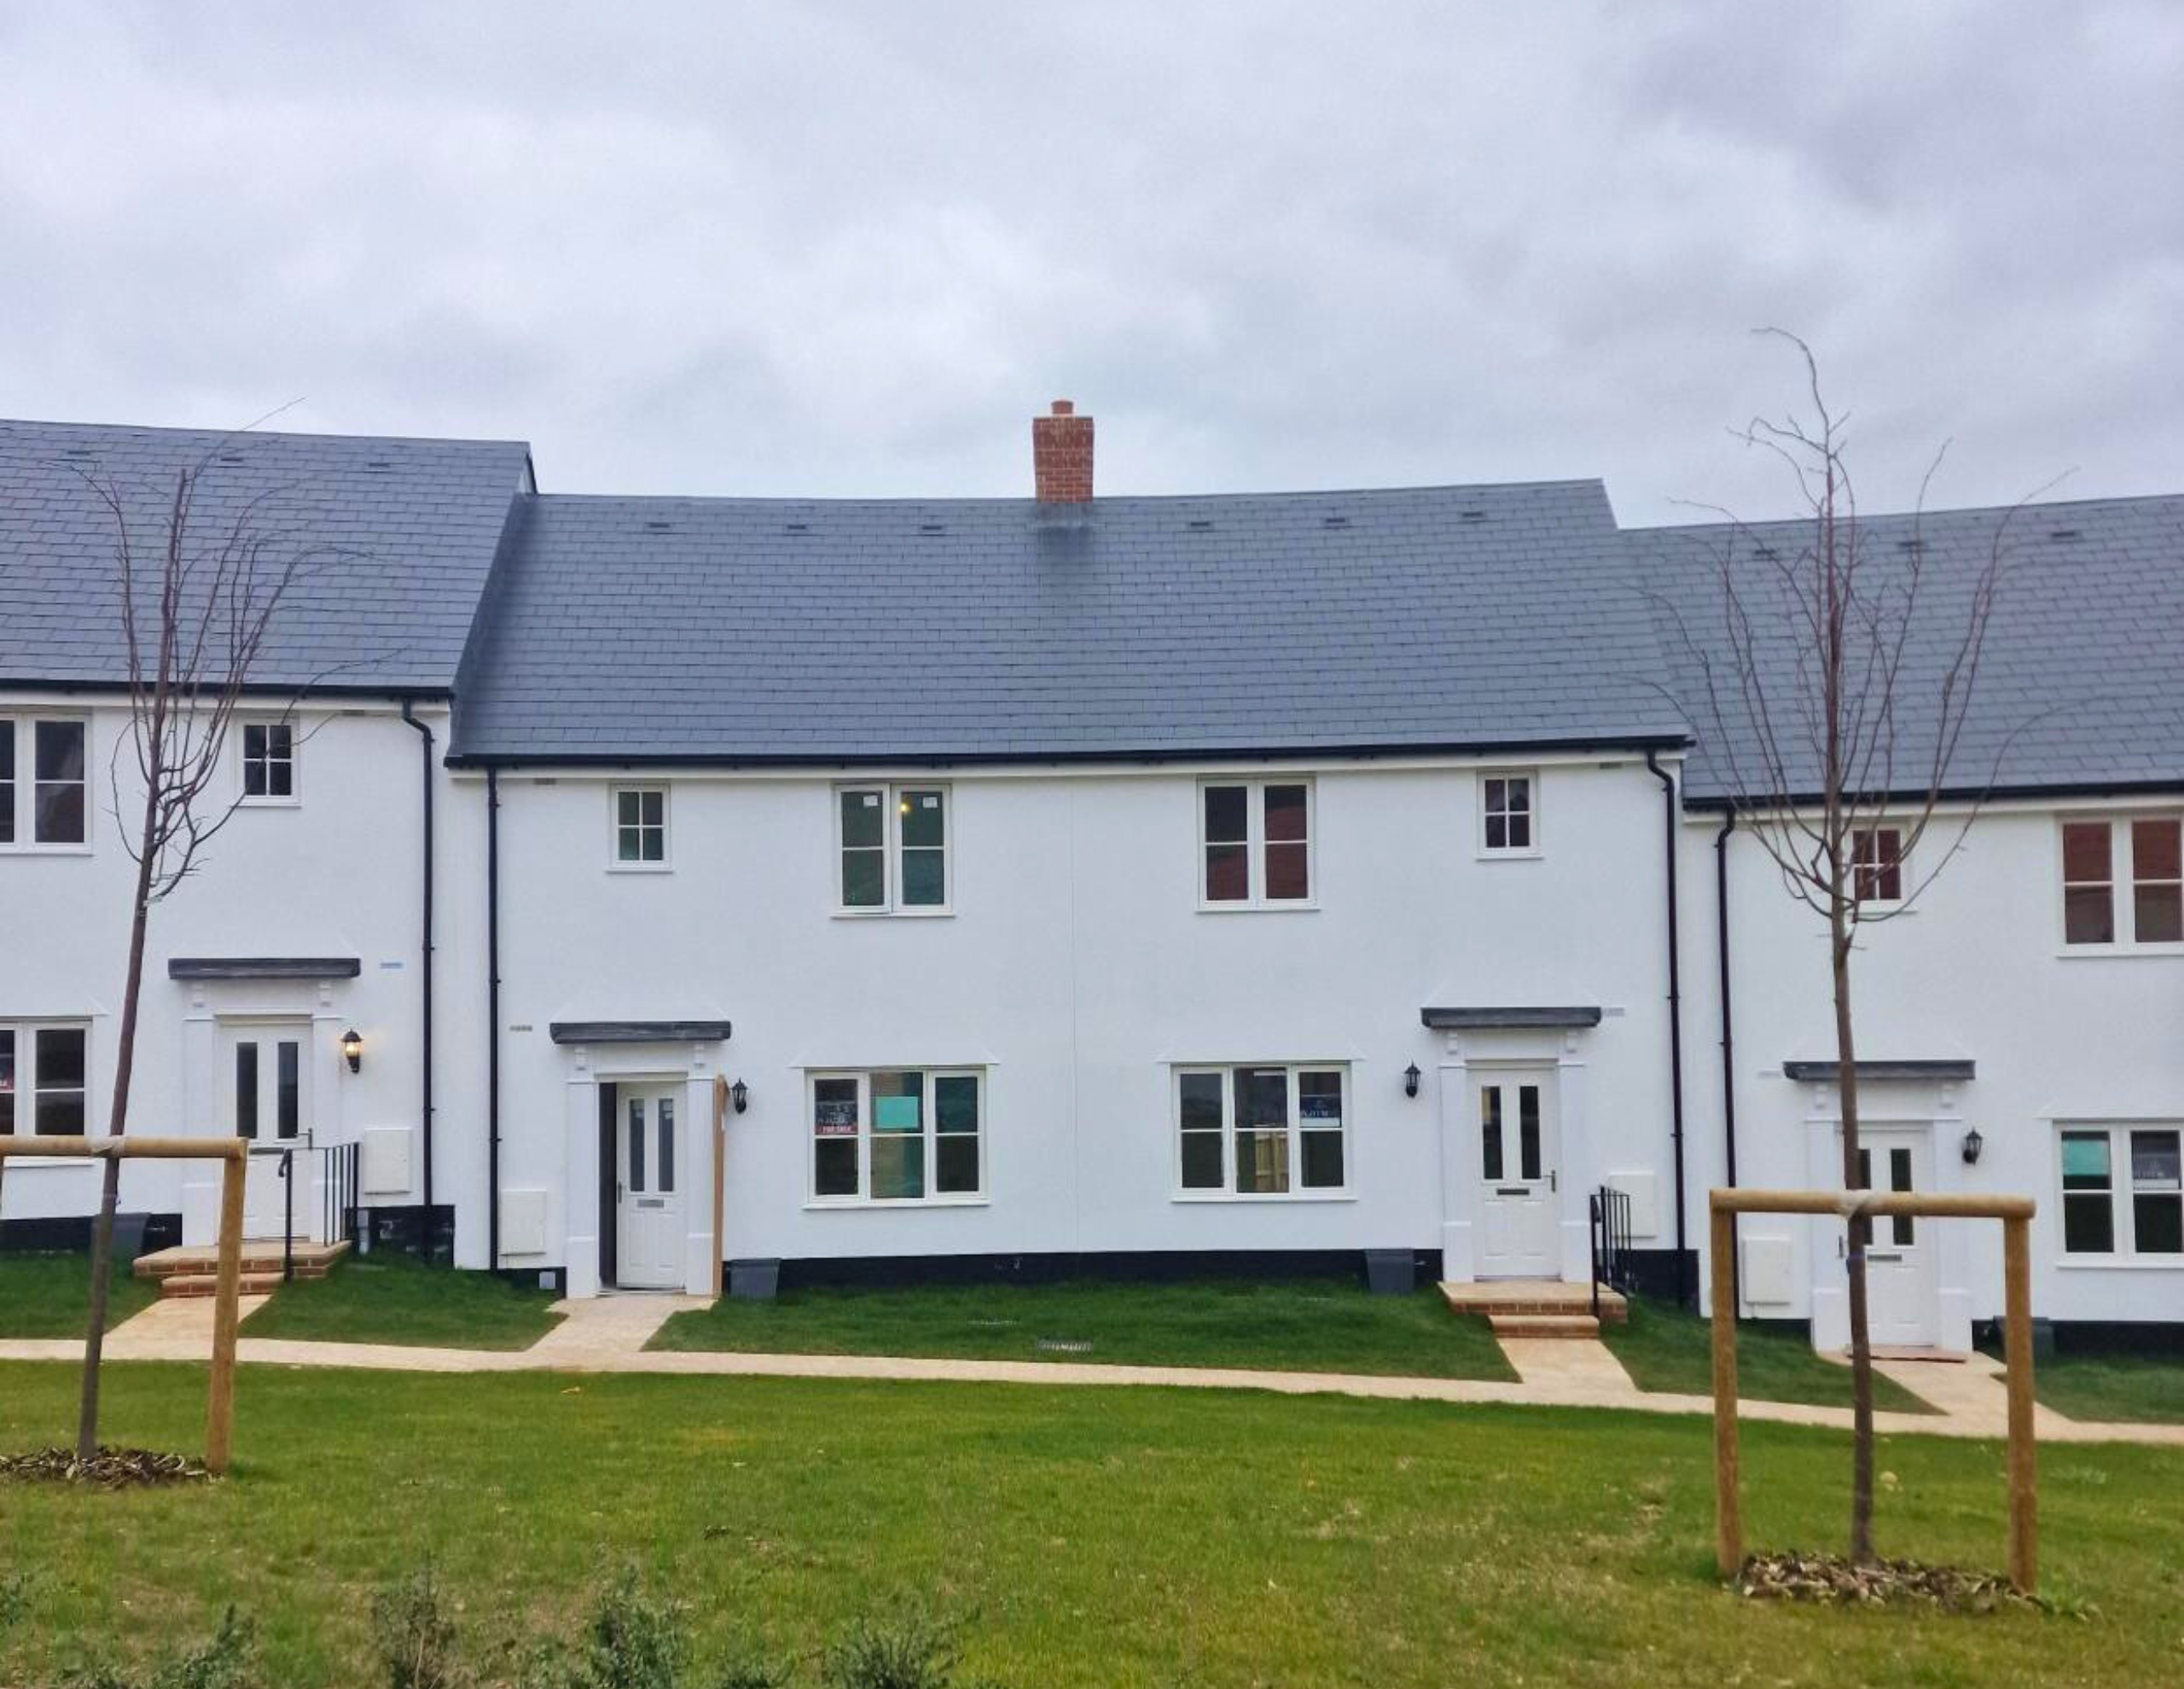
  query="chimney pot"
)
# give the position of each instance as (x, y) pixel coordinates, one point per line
(1061, 456)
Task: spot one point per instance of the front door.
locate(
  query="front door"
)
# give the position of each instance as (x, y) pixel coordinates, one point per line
(648, 1191)
(264, 1080)
(1902, 1307)
(1519, 1205)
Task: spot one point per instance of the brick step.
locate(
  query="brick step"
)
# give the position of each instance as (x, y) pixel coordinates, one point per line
(258, 1256)
(1543, 1325)
(208, 1284)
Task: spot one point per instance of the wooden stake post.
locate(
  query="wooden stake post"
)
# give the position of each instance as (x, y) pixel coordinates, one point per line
(227, 1311)
(2015, 1215)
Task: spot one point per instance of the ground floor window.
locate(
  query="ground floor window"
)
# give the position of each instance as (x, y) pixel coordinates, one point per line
(42, 1079)
(2123, 1191)
(1261, 1130)
(897, 1134)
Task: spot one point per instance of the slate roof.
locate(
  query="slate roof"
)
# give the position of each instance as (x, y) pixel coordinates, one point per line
(2081, 684)
(405, 532)
(800, 631)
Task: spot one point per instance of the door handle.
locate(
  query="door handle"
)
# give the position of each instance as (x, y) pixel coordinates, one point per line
(617, 1190)
(1554, 1180)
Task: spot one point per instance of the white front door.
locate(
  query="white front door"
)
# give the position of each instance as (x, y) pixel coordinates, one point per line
(1900, 1304)
(649, 1195)
(1519, 1203)
(264, 1080)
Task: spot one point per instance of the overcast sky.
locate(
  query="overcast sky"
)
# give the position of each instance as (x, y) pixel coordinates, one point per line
(843, 249)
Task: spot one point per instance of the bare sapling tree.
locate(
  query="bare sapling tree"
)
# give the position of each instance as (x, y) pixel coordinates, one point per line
(1836, 677)
(200, 589)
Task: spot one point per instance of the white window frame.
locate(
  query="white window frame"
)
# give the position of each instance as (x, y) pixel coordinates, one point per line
(1507, 853)
(2123, 1209)
(1255, 845)
(27, 1091)
(1903, 864)
(893, 795)
(22, 727)
(1298, 1191)
(295, 796)
(615, 864)
(2122, 885)
(929, 1115)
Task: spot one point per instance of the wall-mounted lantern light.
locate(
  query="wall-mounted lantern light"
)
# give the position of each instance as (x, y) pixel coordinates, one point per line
(352, 1048)
(739, 1095)
(1410, 1078)
(1973, 1143)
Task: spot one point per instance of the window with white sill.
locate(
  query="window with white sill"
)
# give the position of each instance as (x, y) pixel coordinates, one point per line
(897, 1136)
(1255, 843)
(1877, 865)
(1508, 815)
(42, 1077)
(268, 762)
(2122, 1193)
(640, 827)
(1267, 1130)
(2124, 882)
(44, 786)
(892, 849)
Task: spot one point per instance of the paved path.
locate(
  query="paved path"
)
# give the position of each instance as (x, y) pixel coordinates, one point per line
(608, 1334)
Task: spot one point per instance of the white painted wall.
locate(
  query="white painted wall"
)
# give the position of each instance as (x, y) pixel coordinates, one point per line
(1977, 970)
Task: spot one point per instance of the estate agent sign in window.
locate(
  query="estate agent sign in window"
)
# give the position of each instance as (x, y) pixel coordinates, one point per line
(897, 1136)
(893, 848)
(2123, 1191)
(1260, 1131)
(1255, 843)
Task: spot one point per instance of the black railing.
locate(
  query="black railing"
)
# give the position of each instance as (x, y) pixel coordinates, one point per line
(1613, 1265)
(337, 1187)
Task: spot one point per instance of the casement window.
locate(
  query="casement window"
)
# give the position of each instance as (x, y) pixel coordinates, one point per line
(898, 1136)
(2123, 881)
(1877, 864)
(42, 786)
(43, 1072)
(1255, 843)
(640, 825)
(892, 849)
(1508, 815)
(268, 762)
(2123, 1191)
(1261, 1131)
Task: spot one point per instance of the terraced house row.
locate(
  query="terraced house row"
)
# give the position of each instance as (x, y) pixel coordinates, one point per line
(1074, 883)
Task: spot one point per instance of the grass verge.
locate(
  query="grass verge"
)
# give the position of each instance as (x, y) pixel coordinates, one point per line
(2127, 1388)
(1141, 1538)
(49, 1295)
(1312, 1326)
(391, 1298)
(1666, 1349)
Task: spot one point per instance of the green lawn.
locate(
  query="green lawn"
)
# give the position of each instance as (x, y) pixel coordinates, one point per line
(1309, 1326)
(1667, 1349)
(392, 1297)
(50, 1295)
(2146, 1388)
(1084, 1537)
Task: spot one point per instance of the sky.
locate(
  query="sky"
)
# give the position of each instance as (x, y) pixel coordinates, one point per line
(849, 249)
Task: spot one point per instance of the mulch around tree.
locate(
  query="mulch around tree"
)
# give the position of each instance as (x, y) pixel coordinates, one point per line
(111, 1468)
(1834, 1581)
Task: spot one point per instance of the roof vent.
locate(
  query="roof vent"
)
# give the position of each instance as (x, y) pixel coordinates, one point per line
(656, 526)
(378, 463)
(1334, 521)
(236, 457)
(2068, 536)
(1471, 515)
(796, 528)
(1199, 524)
(1766, 553)
(1911, 545)
(932, 527)
(75, 451)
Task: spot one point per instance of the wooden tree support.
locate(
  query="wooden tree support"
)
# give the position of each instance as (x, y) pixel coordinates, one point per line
(2015, 1215)
(227, 1311)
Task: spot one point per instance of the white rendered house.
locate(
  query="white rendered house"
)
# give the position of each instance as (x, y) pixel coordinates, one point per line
(1077, 883)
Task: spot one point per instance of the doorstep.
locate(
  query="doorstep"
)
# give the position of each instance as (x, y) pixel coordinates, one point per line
(1538, 1298)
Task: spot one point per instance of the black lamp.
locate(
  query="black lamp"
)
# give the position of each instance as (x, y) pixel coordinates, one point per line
(1410, 1078)
(739, 1095)
(1973, 1143)
(352, 1048)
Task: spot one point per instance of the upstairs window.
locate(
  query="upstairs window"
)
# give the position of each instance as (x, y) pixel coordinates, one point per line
(1255, 843)
(891, 847)
(640, 827)
(2123, 1191)
(1509, 814)
(1877, 864)
(897, 1136)
(42, 788)
(268, 762)
(2124, 882)
(1261, 1131)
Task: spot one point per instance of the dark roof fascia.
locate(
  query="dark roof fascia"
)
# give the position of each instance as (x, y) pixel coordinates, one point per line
(264, 967)
(2091, 788)
(1511, 1019)
(638, 1031)
(1827, 1072)
(392, 692)
(545, 759)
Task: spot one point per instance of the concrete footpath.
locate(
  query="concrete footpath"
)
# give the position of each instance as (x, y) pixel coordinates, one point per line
(608, 1334)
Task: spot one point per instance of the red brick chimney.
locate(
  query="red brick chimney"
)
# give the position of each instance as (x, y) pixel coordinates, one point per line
(1061, 456)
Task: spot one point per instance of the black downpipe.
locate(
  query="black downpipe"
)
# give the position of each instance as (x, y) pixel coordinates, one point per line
(492, 1019)
(1684, 1289)
(1728, 1021)
(424, 952)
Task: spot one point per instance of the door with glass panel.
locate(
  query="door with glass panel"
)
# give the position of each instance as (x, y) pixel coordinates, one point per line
(648, 1188)
(1903, 1307)
(265, 1080)
(1520, 1218)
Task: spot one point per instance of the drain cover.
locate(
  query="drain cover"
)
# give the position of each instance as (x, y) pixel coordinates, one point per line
(1062, 1345)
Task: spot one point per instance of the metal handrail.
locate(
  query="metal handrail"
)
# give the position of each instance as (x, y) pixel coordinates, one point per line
(1609, 1231)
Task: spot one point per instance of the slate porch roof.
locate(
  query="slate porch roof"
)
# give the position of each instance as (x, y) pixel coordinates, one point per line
(769, 630)
(411, 527)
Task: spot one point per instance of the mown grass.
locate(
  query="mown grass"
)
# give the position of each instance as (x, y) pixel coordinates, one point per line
(49, 1295)
(1323, 1326)
(1134, 1537)
(1667, 1349)
(392, 1297)
(2144, 1388)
